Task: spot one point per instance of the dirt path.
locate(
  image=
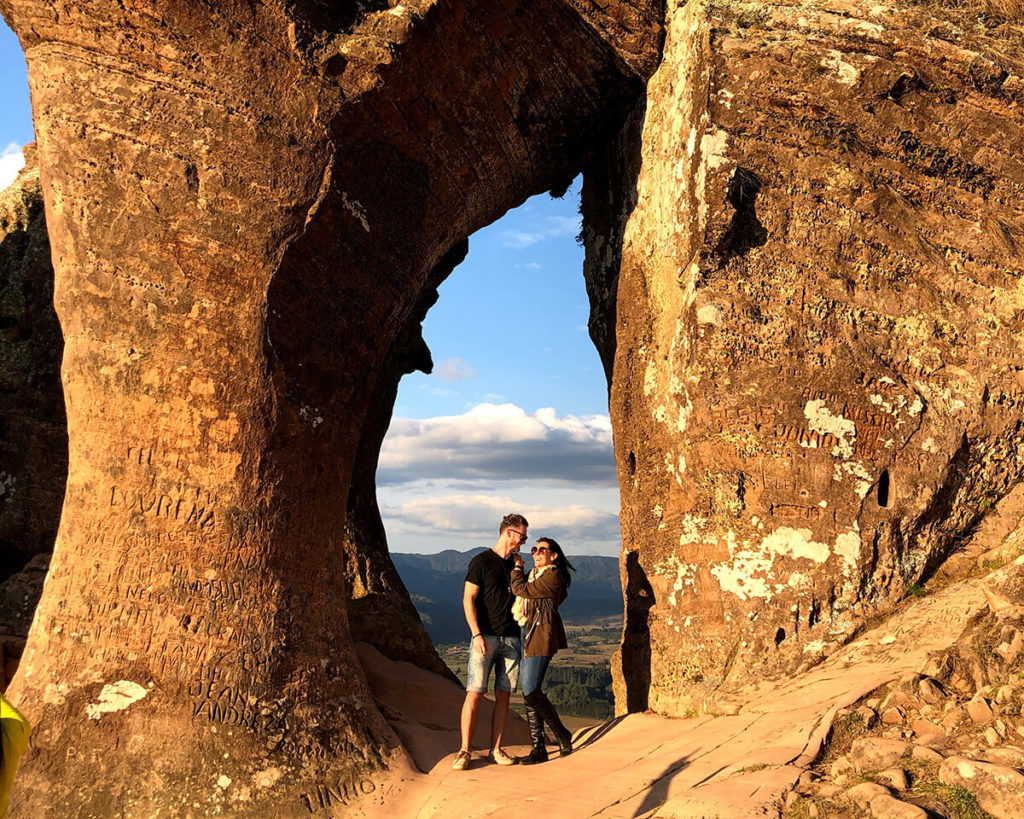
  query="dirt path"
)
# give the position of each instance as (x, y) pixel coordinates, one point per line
(647, 765)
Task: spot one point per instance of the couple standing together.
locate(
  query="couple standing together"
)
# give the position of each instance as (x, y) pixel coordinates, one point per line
(498, 600)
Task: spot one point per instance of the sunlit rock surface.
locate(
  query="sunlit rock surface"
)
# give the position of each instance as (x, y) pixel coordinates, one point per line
(808, 242)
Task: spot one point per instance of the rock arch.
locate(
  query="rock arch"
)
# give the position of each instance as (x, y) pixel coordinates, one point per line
(246, 206)
(242, 258)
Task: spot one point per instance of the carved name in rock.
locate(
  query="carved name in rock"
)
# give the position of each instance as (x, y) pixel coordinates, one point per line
(245, 204)
(808, 241)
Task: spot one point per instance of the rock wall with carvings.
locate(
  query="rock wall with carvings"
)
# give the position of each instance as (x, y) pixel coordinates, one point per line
(245, 204)
(809, 243)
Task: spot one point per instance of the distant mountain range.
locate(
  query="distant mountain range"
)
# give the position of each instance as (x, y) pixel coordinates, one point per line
(435, 583)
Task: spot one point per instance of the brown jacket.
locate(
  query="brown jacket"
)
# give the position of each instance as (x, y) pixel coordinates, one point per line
(545, 633)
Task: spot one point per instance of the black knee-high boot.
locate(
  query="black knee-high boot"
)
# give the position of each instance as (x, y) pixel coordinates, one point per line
(538, 751)
(542, 705)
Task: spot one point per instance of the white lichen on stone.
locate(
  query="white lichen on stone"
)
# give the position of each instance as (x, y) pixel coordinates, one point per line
(855, 468)
(6, 487)
(848, 547)
(751, 571)
(223, 781)
(844, 71)
(267, 778)
(709, 314)
(115, 697)
(356, 209)
(311, 415)
(713, 146)
(821, 420)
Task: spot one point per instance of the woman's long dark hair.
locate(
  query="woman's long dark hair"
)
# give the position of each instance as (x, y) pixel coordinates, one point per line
(562, 564)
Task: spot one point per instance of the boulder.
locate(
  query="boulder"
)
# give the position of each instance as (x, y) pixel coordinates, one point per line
(931, 691)
(998, 788)
(885, 806)
(246, 205)
(895, 778)
(980, 710)
(877, 753)
(862, 794)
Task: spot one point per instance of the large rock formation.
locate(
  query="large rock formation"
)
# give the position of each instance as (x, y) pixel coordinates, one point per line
(244, 204)
(808, 241)
(33, 430)
(803, 256)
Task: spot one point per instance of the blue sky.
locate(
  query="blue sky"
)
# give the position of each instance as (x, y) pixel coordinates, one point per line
(510, 419)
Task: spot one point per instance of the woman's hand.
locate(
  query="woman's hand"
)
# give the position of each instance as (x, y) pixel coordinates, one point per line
(519, 561)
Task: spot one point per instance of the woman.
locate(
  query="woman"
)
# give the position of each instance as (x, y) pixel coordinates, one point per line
(536, 608)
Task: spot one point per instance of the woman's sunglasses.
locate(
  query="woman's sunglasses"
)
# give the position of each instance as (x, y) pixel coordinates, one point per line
(543, 549)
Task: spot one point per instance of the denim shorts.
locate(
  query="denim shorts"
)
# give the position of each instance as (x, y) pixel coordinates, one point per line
(503, 654)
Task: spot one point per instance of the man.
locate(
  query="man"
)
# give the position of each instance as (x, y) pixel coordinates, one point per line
(487, 602)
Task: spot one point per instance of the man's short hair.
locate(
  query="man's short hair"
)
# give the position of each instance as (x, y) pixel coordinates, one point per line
(515, 519)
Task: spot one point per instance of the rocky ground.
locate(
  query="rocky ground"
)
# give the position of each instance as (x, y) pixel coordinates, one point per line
(796, 747)
(947, 740)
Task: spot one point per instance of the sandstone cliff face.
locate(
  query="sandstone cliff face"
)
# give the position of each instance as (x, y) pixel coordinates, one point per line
(813, 235)
(245, 204)
(33, 430)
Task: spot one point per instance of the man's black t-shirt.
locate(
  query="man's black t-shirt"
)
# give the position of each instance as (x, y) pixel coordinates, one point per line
(494, 600)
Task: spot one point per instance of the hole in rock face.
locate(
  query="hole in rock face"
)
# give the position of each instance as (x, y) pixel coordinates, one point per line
(631, 462)
(780, 635)
(883, 489)
(509, 413)
(745, 232)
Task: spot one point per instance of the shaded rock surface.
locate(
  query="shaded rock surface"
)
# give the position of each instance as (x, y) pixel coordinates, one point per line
(33, 429)
(19, 596)
(808, 241)
(380, 610)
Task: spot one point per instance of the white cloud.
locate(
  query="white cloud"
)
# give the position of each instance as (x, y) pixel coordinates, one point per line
(12, 160)
(519, 238)
(500, 442)
(564, 225)
(454, 369)
(551, 227)
(472, 519)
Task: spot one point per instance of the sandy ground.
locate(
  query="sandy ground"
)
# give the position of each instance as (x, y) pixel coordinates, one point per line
(644, 765)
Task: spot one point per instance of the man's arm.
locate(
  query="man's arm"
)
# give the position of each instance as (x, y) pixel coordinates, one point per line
(469, 609)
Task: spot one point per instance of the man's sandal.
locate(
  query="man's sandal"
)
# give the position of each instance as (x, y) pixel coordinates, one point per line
(462, 760)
